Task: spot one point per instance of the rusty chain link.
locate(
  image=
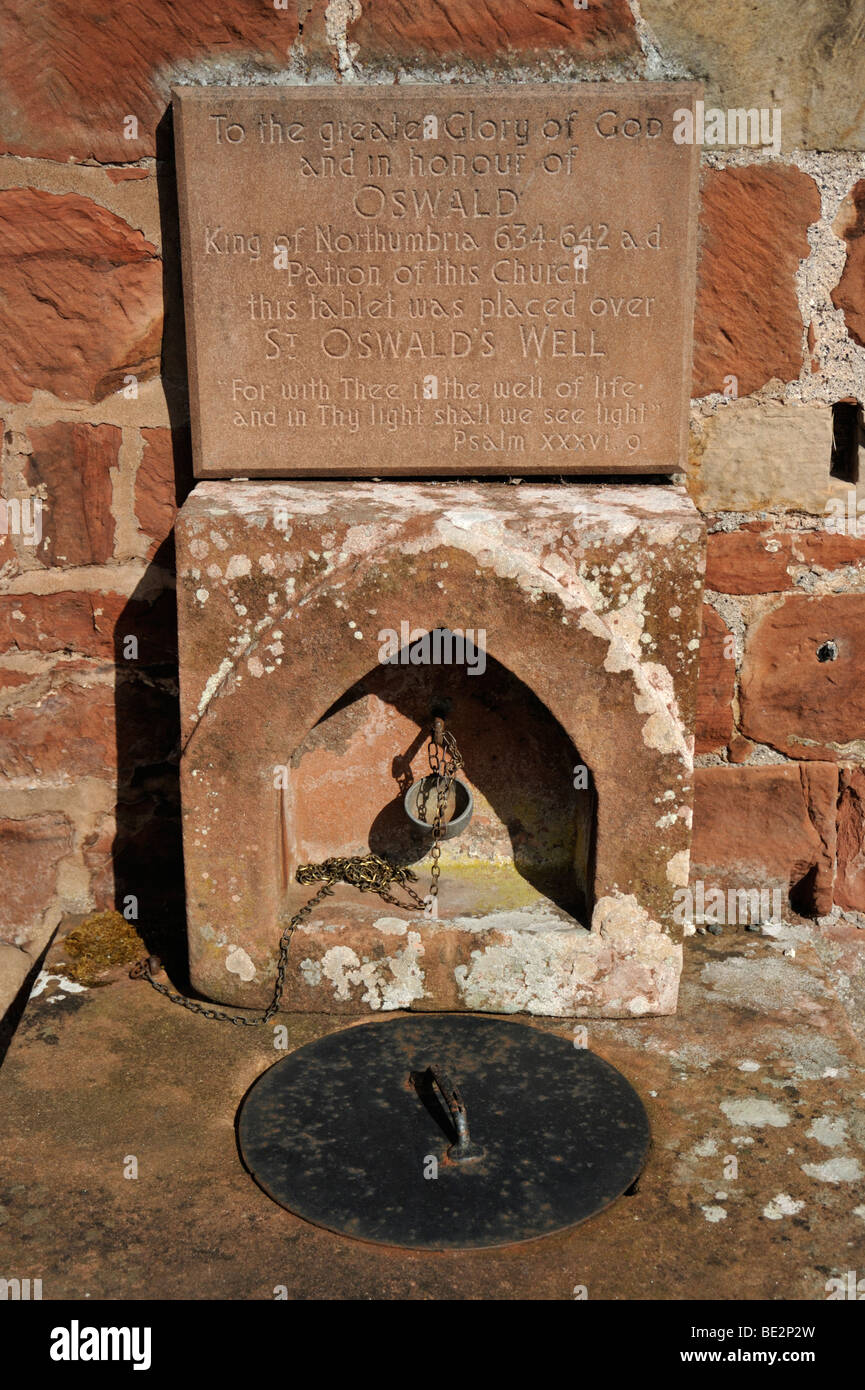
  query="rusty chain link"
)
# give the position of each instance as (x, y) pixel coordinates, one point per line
(369, 873)
(445, 769)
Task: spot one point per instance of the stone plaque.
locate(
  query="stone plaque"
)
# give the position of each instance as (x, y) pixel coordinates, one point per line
(437, 280)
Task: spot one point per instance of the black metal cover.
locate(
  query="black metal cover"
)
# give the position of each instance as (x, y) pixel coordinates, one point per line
(348, 1132)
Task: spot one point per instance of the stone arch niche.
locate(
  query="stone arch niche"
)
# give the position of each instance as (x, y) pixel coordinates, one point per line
(528, 847)
(587, 595)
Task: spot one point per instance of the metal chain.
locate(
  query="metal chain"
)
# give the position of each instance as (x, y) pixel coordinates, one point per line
(367, 872)
(445, 768)
(144, 970)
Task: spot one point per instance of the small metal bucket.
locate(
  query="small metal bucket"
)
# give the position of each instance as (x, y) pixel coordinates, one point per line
(462, 812)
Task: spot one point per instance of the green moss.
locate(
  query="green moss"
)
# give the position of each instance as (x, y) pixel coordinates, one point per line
(101, 941)
(478, 886)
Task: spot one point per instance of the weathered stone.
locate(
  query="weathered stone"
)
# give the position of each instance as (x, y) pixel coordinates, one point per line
(287, 596)
(390, 31)
(803, 58)
(825, 550)
(20, 520)
(74, 72)
(9, 679)
(8, 557)
(77, 730)
(714, 721)
(80, 622)
(850, 874)
(754, 223)
(751, 561)
(136, 202)
(91, 623)
(64, 735)
(753, 455)
(163, 481)
(766, 829)
(801, 685)
(849, 294)
(15, 965)
(127, 175)
(761, 560)
(72, 465)
(492, 965)
(82, 301)
(498, 351)
(31, 850)
(740, 749)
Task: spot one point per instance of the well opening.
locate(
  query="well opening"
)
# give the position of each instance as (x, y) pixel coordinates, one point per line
(530, 840)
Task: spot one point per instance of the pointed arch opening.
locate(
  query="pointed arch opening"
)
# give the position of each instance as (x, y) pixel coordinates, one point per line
(530, 842)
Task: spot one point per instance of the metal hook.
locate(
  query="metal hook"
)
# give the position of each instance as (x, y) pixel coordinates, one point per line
(465, 1149)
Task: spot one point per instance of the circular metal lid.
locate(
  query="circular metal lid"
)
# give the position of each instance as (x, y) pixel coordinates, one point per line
(443, 1132)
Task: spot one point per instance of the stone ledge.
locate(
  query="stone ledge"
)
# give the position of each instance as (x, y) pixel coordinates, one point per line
(357, 959)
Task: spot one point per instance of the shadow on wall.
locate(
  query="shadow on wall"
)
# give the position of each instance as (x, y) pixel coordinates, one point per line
(533, 820)
(146, 858)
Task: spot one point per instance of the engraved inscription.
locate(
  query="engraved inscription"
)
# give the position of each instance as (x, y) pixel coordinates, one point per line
(436, 281)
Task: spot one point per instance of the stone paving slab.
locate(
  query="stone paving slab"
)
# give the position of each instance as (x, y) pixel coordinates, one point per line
(759, 1065)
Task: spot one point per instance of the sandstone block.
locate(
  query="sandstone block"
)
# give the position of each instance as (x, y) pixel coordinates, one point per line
(767, 829)
(802, 58)
(163, 480)
(717, 681)
(82, 301)
(801, 681)
(753, 456)
(72, 465)
(849, 294)
(31, 851)
(494, 34)
(754, 223)
(850, 877)
(750, 561)
(74, 72)
(63, 735)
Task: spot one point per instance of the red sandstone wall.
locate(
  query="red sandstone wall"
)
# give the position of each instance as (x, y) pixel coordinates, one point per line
(92, 395)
